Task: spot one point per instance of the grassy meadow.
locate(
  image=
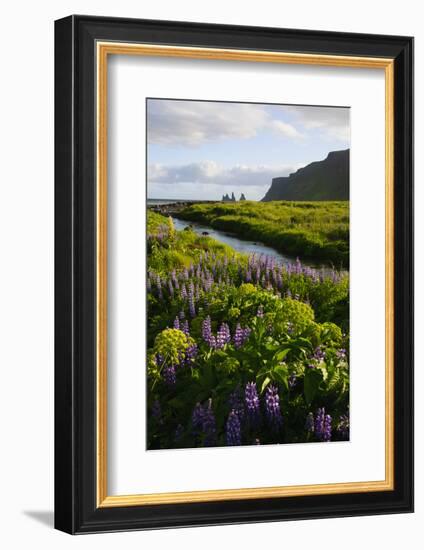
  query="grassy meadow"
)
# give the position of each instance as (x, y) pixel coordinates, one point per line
(313, 230)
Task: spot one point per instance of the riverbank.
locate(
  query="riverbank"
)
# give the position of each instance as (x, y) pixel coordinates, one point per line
(316, 231)
(248, 247)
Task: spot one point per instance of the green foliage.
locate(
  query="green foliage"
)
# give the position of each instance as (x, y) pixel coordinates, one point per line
(169, 249)
(171, 345)
(296, 313)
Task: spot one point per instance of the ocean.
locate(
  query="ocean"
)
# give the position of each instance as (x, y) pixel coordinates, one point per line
(159, 202)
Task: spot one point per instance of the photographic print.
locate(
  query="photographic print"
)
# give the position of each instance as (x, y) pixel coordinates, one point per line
(205, 248)
(247, 273)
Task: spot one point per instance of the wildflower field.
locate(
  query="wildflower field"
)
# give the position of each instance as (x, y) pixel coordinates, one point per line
(242, 350)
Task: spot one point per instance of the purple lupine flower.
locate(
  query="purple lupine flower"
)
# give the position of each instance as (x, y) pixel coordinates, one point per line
(223, 336)
(247, 332)
(251, 400)
(197, 418)
(233, 429)
(272, 406)
(310, 423)
(209, 425)
(183, 292)
(170, 288)
(235, 402)
(260, 312)
(177, 323)
(175, 280)
(190, 355)
(323, 425)
(238, 336)
(319, 354)
(319, 421)
(181, 315)
(203, 421)
(298, 266)
(327, 428)
(159, 287)
(207, 335)
(207, 283)
(169, 375)
(279, 281)
(341, 354)
(191, 301)
(343, 426)
(185, 328)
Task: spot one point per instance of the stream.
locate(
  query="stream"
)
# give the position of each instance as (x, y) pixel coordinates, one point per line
(246, 246)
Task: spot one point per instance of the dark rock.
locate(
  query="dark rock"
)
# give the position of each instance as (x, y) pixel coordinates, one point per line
(325, 180)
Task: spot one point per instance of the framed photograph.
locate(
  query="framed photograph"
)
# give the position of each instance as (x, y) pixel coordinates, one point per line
(234, 274)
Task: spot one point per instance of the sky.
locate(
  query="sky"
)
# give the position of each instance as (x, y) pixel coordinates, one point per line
(202, 150)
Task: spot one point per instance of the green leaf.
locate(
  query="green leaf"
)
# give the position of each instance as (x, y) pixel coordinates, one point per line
(322, 367)
(313, 378)
(265, 384)
(279, 356)
(271, 346)
(281, 375)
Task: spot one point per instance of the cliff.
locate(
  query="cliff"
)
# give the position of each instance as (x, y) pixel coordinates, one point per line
(325, 180)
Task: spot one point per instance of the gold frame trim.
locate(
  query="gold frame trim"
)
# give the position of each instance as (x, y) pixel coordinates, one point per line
(104, 49)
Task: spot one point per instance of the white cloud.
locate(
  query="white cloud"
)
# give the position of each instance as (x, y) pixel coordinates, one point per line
(286, 129)
(209, 172)
(332, 122)
(192, 123)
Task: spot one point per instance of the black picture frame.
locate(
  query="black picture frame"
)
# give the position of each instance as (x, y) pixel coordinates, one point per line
(76, 508)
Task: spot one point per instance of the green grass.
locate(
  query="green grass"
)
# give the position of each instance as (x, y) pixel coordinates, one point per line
(178, 249)
(313, 230)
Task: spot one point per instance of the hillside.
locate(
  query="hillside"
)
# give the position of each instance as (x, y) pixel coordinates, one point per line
(325, 180)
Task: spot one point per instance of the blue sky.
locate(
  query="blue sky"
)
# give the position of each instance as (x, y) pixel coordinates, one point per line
(202, 149)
